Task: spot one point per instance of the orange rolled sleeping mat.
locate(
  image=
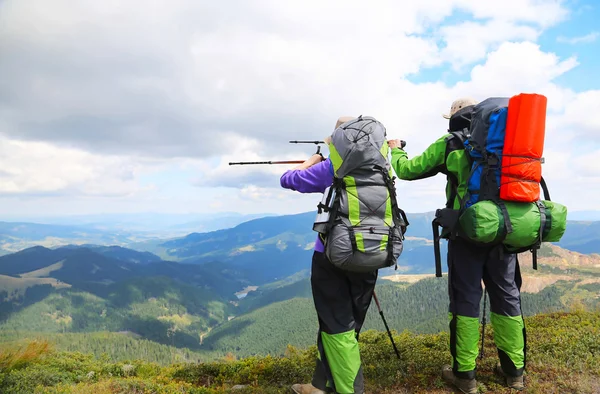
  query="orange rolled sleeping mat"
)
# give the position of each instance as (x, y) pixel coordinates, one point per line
(523, 148)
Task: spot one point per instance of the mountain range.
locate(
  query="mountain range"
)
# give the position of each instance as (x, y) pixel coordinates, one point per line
(290, 239)
(113, 229)
(243, 289)
(280, 246)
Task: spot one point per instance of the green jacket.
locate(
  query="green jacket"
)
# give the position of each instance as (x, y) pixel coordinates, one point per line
(446, 156)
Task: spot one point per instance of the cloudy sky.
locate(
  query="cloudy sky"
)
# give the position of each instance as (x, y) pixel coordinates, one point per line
(139, 105)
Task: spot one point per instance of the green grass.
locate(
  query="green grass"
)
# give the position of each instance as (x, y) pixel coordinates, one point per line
(114, 345)
(170, 321)
(563, 357)
(43, 272)
(14, 288)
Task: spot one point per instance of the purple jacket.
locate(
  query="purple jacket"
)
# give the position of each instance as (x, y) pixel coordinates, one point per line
(312, 180)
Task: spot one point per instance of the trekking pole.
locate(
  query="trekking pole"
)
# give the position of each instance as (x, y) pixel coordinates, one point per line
(386, 325)
(307, 142)
(267, 162)
(483, 333)
(241, 163)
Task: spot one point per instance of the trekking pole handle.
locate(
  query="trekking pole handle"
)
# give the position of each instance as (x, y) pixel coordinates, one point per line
(319, 152)
(402, 144)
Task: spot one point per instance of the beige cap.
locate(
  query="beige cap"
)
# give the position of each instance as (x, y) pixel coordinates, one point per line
(343, 120)
(460, 104)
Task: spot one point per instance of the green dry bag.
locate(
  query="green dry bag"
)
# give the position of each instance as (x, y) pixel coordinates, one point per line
(483, 223)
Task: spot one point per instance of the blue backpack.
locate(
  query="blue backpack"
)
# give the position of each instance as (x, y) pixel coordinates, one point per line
(483, 140)
(484, 146)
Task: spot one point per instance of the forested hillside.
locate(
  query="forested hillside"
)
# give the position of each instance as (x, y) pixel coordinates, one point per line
(156, 309)
(190, 309)
(565, 363)
(192, 306)
(286, 315)
(100, 289)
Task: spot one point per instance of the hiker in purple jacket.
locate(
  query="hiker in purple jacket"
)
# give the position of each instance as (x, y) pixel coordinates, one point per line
(313, 176)
(341, 298)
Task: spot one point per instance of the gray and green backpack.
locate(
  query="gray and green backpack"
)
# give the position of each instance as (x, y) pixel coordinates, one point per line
(359, 220)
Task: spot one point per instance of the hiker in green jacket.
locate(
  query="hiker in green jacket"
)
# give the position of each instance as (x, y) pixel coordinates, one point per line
(468, 264)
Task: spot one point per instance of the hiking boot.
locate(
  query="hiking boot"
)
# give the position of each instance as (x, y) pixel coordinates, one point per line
(306, 389)
(514, 382)
(467, 386)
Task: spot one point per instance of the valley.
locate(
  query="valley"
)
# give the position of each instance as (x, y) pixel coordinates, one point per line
(244, 290)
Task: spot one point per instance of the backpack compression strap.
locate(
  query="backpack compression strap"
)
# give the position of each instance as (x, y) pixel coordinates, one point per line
(545, 189)
(398, 215)
(543, 222)
(489, 187)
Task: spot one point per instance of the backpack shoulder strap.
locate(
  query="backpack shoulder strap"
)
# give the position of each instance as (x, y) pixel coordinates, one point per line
(455, 141)
(337, 186)
(398, 215)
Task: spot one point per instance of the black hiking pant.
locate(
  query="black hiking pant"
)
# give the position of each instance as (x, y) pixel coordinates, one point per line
(341, 299)
(468, 264)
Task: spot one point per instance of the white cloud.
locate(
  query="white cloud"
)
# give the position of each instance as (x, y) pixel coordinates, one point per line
(512, 69)
(524, 65)
(588, 38)
(469, 41)
(573, 177)
(261, 195)
(199, 84)
(41, 168)
(543, 13)
(581, 115)
(163, 78)
(587, 165)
